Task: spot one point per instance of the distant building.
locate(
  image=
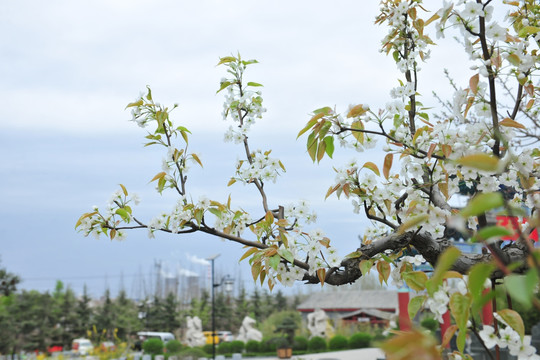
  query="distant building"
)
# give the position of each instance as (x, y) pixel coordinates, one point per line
(373, 306)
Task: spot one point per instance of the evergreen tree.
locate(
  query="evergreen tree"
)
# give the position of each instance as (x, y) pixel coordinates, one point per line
(127, 321)
(169, 313)
(280, 302)
(241, 309)
(255, 305)
(106, 317)
(84, 315)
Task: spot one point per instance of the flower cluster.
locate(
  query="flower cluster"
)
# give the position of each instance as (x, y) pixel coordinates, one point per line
(261, 166)
(508, 338)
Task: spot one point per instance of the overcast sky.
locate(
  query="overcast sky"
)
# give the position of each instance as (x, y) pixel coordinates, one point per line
(69, 68)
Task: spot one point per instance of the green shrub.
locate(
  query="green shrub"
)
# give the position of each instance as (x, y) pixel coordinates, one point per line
(338, 342)
(237, 346)
(173, 346)
(193, 353)
(300, 343)
(253, 346)
(360, 340)
(429, 323)
(153, 346)
(207, 348)
(316, 344)
(268, 345)
(224, 348)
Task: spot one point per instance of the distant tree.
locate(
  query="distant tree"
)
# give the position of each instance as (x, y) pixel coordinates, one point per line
(8, 282)
(105, 319)
(255, 305)
(169, 313)
(241, 309)
(280, 302)
(68, 317)
(85, 315)
(127, 321)
(201, 307)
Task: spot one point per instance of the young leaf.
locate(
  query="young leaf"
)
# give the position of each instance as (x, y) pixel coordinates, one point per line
(416, 280)
(411, 223)
(384, 271)
(388, 159)
(124, 190)
(444, 262)
(484, 162)
(511, 123)
(196, 158)
(158, 176)
(321, 274)
(329, 141)
(481, 203)
(513, 319)
(371, 166)
(415, 304)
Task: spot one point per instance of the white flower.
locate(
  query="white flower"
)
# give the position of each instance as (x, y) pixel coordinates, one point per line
(488, 336)
(204, 202)
(509, 337)
(524, 350)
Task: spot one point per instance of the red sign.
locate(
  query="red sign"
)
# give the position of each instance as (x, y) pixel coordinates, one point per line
(512, 223)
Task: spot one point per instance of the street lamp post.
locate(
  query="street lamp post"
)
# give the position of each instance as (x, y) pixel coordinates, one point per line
(228, 281)
(211, 259)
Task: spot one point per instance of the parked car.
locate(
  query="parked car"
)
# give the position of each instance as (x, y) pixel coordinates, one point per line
(225, 336)
(107, 346)
(164, 336)
(208, 336)
(81, 347)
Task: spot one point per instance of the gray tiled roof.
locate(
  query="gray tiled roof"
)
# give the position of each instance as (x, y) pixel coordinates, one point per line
(357, 299)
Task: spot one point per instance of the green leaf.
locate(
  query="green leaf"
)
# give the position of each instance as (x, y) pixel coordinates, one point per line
(411, 223)
(415, 304)
(522, 287)
(254, 84)
(528, 30)
(123, 214)
(484, 162)
(459, 307)
(215, 211)
(488, 232)
(136, 103)
(416, 280)
(226, 59)
(124, 190)
(286, 254)
(365, 266)
(513, 319)
(477, 277)
(481, 203)
(325, 110)
(329, 141)
(224, 85)
(354, 255)
(274, 261)
(444, 262)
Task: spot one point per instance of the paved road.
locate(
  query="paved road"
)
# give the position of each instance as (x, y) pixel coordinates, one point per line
(358, 354)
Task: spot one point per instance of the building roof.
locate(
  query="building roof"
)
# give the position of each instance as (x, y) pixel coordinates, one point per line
(350, 300)
(371, 312)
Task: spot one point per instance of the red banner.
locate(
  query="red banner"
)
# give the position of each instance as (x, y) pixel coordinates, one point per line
(512, 223)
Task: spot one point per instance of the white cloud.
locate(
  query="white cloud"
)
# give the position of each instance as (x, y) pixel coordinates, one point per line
(197, 260)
